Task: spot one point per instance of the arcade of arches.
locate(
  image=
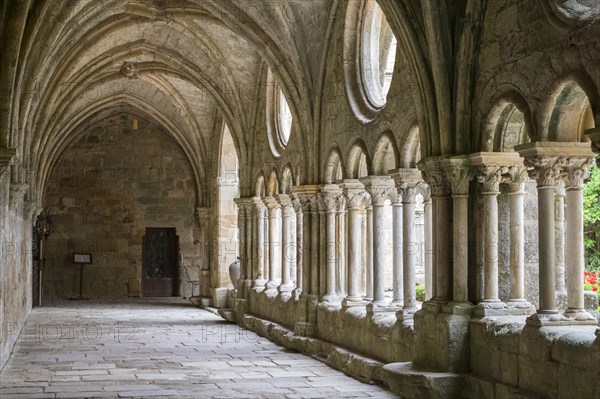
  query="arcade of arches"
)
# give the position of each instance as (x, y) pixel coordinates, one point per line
(345, 150)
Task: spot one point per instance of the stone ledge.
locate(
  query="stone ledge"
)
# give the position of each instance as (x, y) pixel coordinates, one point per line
(409, 383)
(357, 366)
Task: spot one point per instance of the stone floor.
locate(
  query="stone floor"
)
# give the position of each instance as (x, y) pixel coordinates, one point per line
(159, 348)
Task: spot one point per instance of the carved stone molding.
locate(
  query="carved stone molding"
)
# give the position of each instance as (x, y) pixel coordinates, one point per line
(307, 197)
(594, 136)
(490, 176)
(6, 157)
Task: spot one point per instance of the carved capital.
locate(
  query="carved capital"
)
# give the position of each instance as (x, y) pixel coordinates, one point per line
(458, 173)
(17, 193)
(515, 177)
(575, 171)
(381, 188)
(490, 176)
(544, 170)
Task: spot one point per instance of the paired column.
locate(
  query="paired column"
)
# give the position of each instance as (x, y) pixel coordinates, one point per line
(274, 242)
(287, 249)
(428, 245)
(299, 244)
(357, 198)
(547, 162)
(381, 189)
(242, 205)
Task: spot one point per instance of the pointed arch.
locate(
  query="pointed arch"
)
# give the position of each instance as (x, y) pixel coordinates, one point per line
(334, 167)
(359, 163)
(386, 155)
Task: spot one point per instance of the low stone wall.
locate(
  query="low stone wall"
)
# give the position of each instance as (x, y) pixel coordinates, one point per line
(551, 362)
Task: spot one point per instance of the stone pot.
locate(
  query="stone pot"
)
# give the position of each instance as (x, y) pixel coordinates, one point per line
(234, 273)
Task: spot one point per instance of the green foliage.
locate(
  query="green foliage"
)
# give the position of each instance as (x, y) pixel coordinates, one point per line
(591, 219)
(420, 289)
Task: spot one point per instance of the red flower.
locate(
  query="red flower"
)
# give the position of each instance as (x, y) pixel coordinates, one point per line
(595, 288)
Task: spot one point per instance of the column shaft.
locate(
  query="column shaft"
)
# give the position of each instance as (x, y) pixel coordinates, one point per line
(547, 258)
(409, 253)
(378, 255)
(428, 251)
(330, 255)
(286, 250)
(354, 256)
(575, 250)
(490, 215)
(398, 253)
(517, 246)
(369, 279)
(460, 210)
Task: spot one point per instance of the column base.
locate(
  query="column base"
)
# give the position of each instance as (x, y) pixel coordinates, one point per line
(331, 298)
(380, 307)
(493, 307)
(580, 315)
(558, 319)
(520, 307)
(285, 288)
(259, 284)
(272, 285)
(350, 302)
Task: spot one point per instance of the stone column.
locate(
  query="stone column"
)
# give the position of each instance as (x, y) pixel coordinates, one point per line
(356, 199)
(242, 239)
(458, 173)
(434, 176)
(274, 243)
(249, 246)
(559, 226)
(299, 245)
(575, 172)
(369, 278)
(516, 193)
(341, 247)
(428, 248)
(329, 204)
(398, 250)
(381, 188)
(490, 177)
(259, 212)
(286, 247)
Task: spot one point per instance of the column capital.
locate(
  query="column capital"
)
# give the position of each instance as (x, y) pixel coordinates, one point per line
(433, 173)
(545, 160)
(355, 193)
(380, 188)
(459, 173)
(515, 177)
(575, 171)
(284, 200)
(493, 168)
(408, 182)
(271, 203)
(329, 198)
(306, 196)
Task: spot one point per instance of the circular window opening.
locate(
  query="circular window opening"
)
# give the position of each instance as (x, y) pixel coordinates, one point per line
(279, 117)
(377, 55)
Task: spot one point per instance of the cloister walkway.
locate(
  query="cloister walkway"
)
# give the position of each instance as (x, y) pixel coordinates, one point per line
(159, 348)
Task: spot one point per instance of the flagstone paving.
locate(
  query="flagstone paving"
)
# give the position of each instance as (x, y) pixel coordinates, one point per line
(159, 348)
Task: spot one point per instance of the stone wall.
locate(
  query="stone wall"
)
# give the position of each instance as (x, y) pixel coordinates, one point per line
(109, 185)
(15, 265)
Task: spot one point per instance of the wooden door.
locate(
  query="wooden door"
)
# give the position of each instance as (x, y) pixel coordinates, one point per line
(159, 262)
